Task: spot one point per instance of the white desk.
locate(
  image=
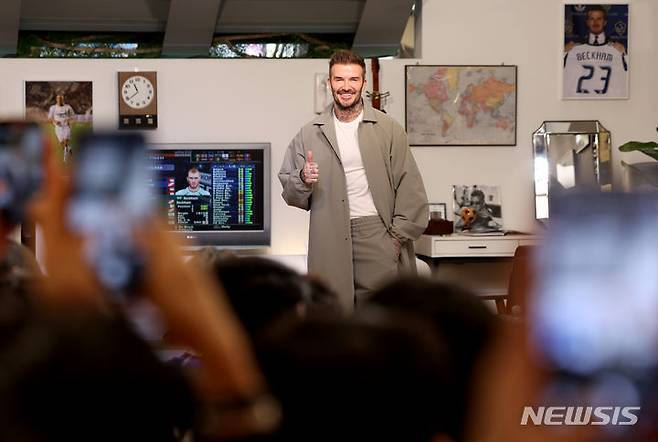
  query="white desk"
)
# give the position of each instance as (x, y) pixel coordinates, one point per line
(481, 264)
(437, 247)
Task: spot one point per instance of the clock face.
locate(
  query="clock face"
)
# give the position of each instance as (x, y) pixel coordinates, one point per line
(137, 91)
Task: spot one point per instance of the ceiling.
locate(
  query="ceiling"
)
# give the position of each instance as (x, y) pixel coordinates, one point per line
(189, 25)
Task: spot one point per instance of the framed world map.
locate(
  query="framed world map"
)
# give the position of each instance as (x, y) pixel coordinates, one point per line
(454, 105)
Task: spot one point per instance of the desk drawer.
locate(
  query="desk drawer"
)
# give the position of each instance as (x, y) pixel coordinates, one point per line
(474, 247)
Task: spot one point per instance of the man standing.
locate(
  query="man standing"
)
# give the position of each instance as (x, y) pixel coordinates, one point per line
(353, 169)
(193, 181)
(60, 115)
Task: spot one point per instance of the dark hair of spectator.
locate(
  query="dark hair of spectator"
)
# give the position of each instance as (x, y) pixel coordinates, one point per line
(370, 376)
(83, 377)
(460, 320)
(260, 290)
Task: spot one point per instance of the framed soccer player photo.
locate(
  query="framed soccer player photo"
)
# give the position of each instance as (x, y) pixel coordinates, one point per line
(595, 54)
(66, 107)
(477, 208)
(460, 105)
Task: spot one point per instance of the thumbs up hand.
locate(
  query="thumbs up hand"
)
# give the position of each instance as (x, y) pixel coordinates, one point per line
(310, 172)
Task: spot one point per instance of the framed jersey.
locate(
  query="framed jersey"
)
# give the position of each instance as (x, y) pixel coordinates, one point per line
(595, 58)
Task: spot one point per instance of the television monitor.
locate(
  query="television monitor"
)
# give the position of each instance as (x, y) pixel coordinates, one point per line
(214, 194)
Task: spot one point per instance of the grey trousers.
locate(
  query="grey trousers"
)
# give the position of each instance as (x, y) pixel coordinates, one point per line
(374, 258)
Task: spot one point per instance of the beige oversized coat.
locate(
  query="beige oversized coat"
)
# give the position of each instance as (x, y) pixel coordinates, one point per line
(395, 184)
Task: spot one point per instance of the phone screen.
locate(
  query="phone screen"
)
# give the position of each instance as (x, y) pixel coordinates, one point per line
(21, 167)
(596, 307)
(111, 197)
(594, 314)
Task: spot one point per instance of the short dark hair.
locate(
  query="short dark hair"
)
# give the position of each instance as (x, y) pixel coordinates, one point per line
(347, 57)
(598, 8)
(68, 365)
(461, 322)
(260, 289)
(375, 375)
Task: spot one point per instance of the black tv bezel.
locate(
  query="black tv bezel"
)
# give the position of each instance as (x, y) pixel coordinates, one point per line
(230, 239)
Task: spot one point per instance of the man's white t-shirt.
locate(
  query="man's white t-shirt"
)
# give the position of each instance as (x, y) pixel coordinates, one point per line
(358, 190)
(595, 71)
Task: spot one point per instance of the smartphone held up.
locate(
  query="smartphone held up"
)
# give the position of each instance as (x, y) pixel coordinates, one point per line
(594, 313)
(111, 197)
(21, 167)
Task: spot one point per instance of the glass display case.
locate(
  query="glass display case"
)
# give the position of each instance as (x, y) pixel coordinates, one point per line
(569, 155)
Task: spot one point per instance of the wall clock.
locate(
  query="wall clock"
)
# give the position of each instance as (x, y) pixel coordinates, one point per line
(138, 100)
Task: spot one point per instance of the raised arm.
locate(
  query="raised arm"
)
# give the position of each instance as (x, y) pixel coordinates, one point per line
(298, 174)
(192, 304)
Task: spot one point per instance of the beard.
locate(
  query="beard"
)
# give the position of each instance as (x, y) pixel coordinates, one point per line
(356, 98)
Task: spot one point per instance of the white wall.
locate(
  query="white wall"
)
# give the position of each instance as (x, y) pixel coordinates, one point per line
(199, 101)
(268, 100)
(527, 33)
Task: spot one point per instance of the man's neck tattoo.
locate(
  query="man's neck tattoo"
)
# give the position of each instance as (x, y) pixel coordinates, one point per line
(346, 115)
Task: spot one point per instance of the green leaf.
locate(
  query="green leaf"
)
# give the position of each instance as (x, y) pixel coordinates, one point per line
(649, 148)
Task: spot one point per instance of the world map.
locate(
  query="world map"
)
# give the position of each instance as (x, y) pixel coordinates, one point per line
(461, 105)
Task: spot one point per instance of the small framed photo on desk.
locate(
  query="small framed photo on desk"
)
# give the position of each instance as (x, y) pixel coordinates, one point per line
(437, 211)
